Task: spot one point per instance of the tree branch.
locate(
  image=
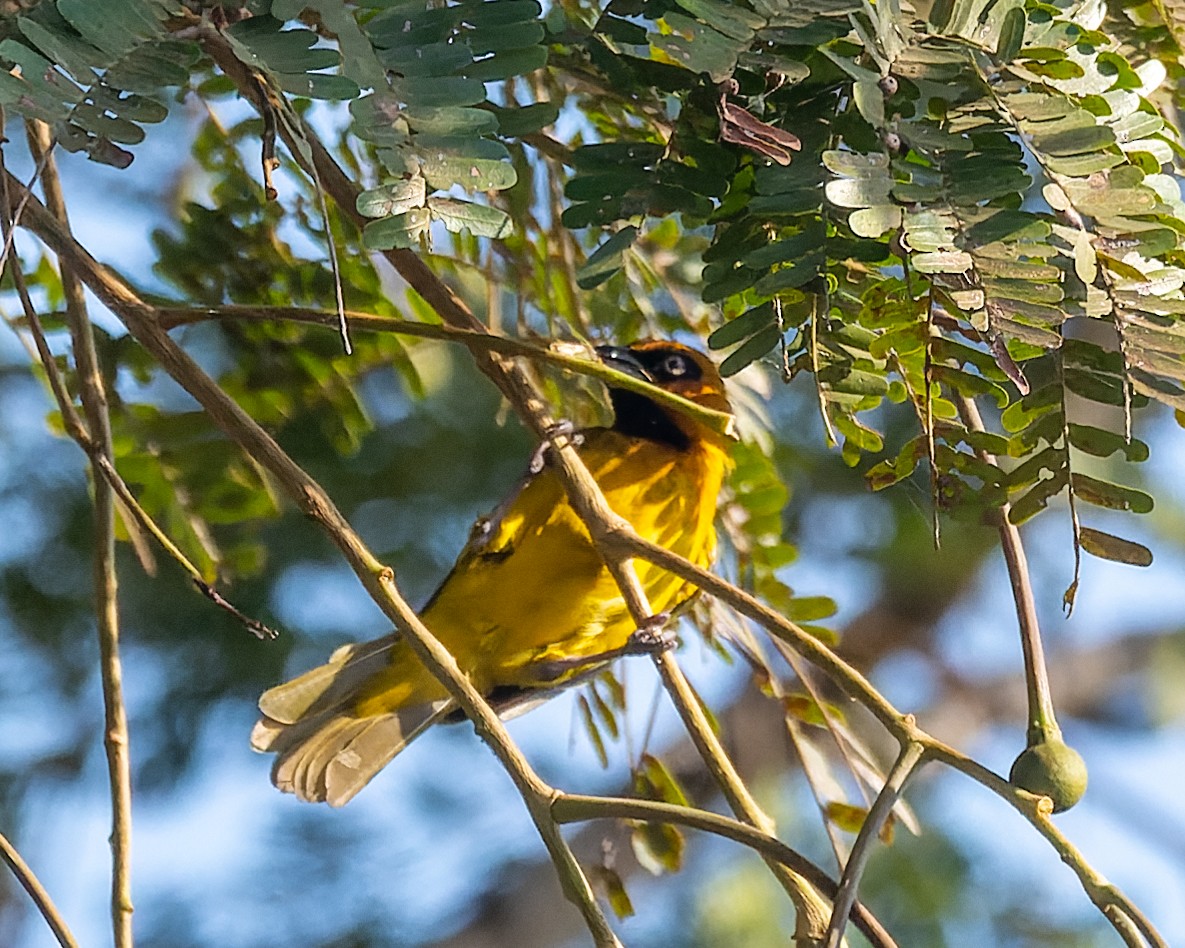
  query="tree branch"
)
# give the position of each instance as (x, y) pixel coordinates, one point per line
(1042, 724)
(31, 884)
(572, 808)
(315, 503)
(171, 317)
(878, 813)
(94, 404)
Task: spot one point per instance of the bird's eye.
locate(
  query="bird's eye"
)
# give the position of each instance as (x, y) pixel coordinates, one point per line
(674, 366)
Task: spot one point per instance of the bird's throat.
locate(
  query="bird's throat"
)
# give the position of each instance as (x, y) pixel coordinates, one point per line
(638, 417)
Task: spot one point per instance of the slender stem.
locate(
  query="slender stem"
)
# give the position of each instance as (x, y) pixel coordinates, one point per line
(812, 909)
(316, 504)
(717, 421)
(1042, 724)
(94, 404)
(31, 884)
(571, 808)
(878, 813)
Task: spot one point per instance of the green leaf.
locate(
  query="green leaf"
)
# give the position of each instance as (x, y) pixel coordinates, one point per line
(72, 54)
(358, 57)
(395, 197)
(1109, 547)
(654, 781)
(759, 345)
(810, 608)
(742, 327)
(279, 50)
(971, 385)
(592, 730)
(658, 847)
(1012, 35)
(606, 260)
(697, 47)
(1038, 497)
(802, 707)
(318, 86)
(481, 15)
(859, 192)
(115, 26)
(1103, 444)
(875, 221)
(1111, 496)
(857, 434)
(888, 473)
(614, 888)
(870, 101)
(526, 119)
(847, 817)
(480, 220)
(508, 63)
(728, 18)
(441, 91)
(443, 171)
(399, 232)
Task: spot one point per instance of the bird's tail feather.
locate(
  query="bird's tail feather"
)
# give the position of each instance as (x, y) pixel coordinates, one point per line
(331, 756)
(324, 750)
(327, 686)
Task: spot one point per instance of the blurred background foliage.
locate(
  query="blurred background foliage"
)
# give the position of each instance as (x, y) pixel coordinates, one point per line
(977, 202)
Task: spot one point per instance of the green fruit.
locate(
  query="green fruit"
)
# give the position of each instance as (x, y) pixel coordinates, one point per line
(1051, 769)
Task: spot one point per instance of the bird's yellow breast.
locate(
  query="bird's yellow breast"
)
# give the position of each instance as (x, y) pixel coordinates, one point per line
(533, 589)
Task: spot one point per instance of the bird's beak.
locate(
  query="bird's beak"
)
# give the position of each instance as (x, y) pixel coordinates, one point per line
(624, 360)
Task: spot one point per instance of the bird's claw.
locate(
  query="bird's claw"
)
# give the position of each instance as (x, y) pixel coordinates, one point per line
(653, 637)
(560, 431)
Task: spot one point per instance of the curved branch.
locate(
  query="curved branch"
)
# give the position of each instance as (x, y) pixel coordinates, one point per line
(94, 403)
(31, 884)
(572, 808)
(308, 495)
(718, 421)
(845, 898)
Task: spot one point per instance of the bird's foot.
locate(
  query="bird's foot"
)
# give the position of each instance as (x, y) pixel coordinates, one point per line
(652, 637)
(562, 430)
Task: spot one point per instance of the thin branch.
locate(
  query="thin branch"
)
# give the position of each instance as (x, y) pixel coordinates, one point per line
(1037, 810)
(878, 813)
(376, 578)
(572, 808)
(31, 884)
(171, 317)
(1042, 724)
(94, 404)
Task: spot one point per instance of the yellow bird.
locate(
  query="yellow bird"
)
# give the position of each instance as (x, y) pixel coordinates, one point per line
(529, 605)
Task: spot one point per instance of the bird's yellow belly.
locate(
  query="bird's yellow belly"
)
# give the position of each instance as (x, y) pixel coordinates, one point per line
(537, 592)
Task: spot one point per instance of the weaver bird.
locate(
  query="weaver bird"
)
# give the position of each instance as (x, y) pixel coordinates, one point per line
(529, 606)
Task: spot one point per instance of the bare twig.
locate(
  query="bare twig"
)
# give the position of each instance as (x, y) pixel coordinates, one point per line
(312, 500)
(878, 813)
(570, 808)
(1042, 725)
(94, 404)
(31, 884)
(721, 422)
